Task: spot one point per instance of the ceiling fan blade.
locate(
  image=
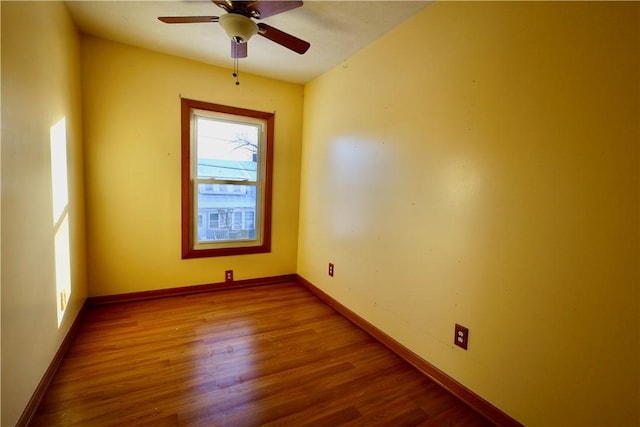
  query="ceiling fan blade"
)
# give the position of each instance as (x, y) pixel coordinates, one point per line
(287, 40)
(265, 8)
(238, 50)
(187, 19)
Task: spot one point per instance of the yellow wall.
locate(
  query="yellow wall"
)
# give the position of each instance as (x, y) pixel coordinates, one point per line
(131, 110)
(479, 165)
(40, 86)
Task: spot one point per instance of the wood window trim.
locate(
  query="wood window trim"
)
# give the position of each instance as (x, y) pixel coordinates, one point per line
(188, 250)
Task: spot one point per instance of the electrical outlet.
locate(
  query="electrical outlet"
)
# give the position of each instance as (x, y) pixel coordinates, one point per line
(461, 338)
(331, 269)
(228, 276)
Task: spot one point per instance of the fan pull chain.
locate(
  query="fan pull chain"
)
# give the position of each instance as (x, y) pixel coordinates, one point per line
(235, 70)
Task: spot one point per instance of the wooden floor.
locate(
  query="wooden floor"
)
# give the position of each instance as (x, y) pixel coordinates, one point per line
(270, 355)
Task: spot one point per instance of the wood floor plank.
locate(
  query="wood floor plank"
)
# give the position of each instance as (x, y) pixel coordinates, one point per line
(270, 355)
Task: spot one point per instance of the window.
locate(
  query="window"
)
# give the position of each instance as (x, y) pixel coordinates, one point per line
(237, 220)
(248, 221)
(214, 221)
(207, 188)
(227, 159)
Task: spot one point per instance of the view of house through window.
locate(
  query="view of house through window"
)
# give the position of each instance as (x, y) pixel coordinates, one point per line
(227, 165)
(228, 191)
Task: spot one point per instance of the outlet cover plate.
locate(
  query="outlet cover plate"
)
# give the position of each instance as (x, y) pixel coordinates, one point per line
(461, 338)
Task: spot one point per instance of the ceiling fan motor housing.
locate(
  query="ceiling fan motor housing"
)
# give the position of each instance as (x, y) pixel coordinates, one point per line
(238, 27)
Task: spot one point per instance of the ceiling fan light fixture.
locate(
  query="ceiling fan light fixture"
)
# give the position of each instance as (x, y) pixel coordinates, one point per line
(238, 27)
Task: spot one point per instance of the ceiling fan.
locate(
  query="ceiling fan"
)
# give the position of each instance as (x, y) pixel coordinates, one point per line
(240, 27)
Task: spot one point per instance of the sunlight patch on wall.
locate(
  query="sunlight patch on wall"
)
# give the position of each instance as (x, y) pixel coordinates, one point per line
(60, 208)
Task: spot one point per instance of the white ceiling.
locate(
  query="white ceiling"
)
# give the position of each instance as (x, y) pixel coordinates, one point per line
(335, 29)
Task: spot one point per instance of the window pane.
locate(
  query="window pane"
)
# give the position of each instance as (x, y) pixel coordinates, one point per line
(226, 150)
(225, 212)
